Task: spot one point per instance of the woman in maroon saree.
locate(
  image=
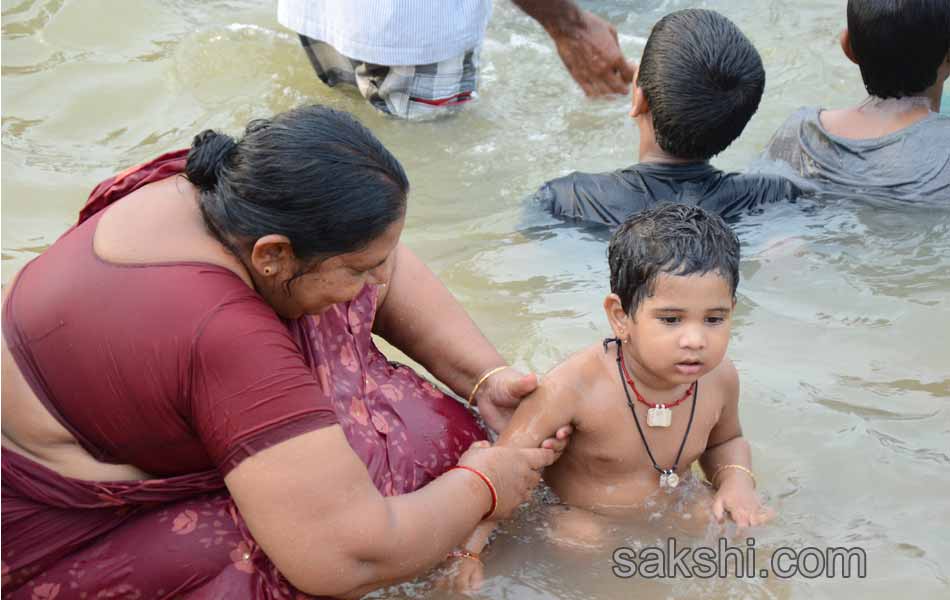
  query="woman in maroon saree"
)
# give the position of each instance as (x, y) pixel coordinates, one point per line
(232, 384)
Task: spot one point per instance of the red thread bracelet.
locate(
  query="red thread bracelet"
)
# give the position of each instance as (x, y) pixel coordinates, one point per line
(491, 488)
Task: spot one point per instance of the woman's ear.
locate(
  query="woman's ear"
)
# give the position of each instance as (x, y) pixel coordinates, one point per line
(272, 255)
(618, 318)
(845, 40)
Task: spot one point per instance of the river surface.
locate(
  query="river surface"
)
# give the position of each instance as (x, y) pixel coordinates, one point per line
(841, 335)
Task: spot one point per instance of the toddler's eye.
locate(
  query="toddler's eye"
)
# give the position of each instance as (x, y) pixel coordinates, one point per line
(715, 320)
(669, 320)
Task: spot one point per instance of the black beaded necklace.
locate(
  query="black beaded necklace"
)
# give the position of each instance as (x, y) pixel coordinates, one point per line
(668, 477)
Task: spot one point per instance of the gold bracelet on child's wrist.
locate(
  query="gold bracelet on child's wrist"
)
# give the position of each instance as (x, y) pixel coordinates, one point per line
(745, 470)
(465, 554)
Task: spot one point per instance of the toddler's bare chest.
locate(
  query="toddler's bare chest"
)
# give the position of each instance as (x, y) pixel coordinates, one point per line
(608, 440)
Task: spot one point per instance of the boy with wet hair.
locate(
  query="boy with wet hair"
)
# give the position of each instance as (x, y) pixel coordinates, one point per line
(657, 395)
(894, 144)
(699, 82)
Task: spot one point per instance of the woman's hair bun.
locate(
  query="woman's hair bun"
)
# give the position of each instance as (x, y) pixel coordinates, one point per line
(209, 153)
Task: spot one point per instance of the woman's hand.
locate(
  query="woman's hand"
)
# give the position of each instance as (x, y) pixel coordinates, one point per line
(499, 396)
(514, 472)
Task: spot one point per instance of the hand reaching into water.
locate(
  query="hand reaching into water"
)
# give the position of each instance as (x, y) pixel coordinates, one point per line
(462, 574)
(587, 45)
(591, 53)
(736, 496)
(499, 396)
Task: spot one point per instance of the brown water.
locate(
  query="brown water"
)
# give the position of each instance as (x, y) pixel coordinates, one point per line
(843, 321)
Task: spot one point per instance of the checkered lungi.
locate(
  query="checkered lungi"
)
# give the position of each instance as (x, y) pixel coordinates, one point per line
(409, 92)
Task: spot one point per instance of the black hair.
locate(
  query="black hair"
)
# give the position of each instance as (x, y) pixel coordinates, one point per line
(703, 79)
(313, 174)
(675, 239)
(899, 44)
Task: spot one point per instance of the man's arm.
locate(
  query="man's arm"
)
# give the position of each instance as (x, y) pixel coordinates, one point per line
(586, 43)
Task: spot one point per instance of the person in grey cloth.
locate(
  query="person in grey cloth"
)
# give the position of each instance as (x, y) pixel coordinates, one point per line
(895, 145)
(416, 58)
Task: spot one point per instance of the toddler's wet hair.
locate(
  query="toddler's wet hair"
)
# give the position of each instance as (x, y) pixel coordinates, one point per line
(676, 239)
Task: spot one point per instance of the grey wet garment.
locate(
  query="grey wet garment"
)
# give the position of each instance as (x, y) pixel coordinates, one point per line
(911, 164)
(609, 198)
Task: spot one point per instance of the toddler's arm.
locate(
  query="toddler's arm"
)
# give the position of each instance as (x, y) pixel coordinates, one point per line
(727, 461)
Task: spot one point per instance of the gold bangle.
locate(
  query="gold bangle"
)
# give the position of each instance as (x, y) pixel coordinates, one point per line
(465, 554)
(481, 380)
(740, 467)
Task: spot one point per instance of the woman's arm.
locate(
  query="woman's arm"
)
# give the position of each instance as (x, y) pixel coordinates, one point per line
(310, 504)
(418, 315)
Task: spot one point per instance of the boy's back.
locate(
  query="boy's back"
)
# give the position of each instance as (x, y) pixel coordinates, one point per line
(609, 198)
(699, 82)
(894, 144)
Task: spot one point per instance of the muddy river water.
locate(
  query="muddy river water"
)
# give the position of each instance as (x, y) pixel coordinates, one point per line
(841, 336)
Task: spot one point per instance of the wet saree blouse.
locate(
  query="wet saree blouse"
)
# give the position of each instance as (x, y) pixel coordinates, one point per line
(182, 370)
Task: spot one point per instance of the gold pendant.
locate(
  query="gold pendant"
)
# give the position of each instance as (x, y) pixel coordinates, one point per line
(660, 416)
(669, 480)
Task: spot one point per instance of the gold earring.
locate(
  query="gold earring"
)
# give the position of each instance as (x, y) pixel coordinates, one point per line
(266, 270)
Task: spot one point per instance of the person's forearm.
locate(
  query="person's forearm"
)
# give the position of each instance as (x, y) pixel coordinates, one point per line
(421, 529)
(556, 16)
(423, 319)
(479, 538)
(733, 452)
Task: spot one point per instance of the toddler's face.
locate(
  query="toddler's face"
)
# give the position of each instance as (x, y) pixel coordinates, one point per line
(681, 332)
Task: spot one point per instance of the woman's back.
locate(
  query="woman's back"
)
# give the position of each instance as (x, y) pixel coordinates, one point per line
(126, 355)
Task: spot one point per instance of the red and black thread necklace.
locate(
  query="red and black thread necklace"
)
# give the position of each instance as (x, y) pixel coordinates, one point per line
(668, 477)
(658, 415)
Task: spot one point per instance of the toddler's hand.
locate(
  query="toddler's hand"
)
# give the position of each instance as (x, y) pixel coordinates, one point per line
(737, 497)
(463, 574)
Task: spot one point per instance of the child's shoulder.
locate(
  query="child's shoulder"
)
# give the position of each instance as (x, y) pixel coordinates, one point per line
(580, 368)
(580, 375)
(723, 379)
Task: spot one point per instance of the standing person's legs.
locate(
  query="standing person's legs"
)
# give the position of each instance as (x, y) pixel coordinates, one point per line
(408, 92)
